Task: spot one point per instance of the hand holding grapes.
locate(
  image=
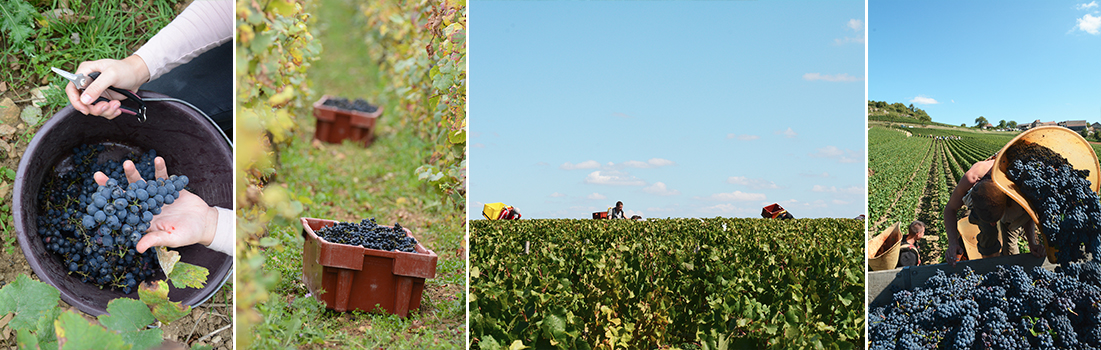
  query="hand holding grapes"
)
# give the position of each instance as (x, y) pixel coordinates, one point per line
(185, 221)
(954, 250)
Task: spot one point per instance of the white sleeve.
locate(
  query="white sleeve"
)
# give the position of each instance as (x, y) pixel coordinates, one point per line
(202, 26)
(224, 236)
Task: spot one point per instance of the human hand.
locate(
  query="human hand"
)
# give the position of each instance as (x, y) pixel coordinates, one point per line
(128, 73)
(1038, 249)
(188, 220)
(954, 249)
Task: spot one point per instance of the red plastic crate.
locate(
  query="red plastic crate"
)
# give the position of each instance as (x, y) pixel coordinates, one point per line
(357, 278)
(772, 211)
(600, 215)
(334, 125)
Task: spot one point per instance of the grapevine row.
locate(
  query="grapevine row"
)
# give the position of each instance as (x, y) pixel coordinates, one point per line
(621, 284)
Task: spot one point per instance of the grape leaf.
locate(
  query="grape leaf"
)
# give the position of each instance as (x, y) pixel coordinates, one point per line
(167, 259)
(554, 328)
(488, 343)
(124, 315)
(26, 340)
(146, 339)
(155, 294)
(29, 299)
(188, 275)
(76, 332)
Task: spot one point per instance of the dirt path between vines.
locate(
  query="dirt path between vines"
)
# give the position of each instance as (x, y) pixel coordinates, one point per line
(930, 209)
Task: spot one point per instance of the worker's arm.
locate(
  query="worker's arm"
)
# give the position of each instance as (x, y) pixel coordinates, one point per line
(1034, 245)
(955, 202)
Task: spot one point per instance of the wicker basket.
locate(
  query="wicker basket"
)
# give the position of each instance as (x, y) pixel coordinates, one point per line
(883, 249)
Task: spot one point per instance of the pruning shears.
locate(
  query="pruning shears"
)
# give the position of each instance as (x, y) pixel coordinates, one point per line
(82, 81)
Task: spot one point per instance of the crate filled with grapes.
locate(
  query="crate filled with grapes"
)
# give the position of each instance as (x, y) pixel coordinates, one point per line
(365, 266)
(340, 119)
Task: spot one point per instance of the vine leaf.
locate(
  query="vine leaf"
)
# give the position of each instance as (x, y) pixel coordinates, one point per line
(188, 275)
(30, 300)
(76, 332)
(155, 294)
(146, 339)
(518, 345)
(554, 328)
(125, 314)
(26, 340)
(167, 259)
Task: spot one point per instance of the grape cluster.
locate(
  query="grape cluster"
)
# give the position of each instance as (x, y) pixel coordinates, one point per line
(369, 235)
(358, 105)
(1005, 309)
(94, 229)
(1069, 212)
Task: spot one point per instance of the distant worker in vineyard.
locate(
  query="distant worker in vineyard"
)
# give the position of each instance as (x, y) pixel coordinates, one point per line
(617, 212)
(909, 254)
(1000, 219)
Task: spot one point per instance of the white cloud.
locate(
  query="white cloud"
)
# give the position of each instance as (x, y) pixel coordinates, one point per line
(787, 133)
(596, 196)
(1090, 24)
(823, 174)
(629, 213)
(1088, 6)
(855, 24)
(829, 152)
(922, 100)
(542, 164)
(839, 202)
(588, 164)
(652, 163)
(843, 77)
(736, 196)
(852, 190)
(615, 178)
(592, 164)
(659, 188)
(742, 137)
(478, 145)
(722, 208)
(670, 209)
(843, 156)
(752, 183)
(834, 189)
(849, 40)
(556, 195)
(622, 115)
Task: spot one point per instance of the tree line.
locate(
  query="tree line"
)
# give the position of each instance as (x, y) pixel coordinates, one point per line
(897, 109)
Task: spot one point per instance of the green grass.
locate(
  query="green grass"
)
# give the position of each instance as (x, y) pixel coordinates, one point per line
(348, 182)
(111, 29)
(105, 30)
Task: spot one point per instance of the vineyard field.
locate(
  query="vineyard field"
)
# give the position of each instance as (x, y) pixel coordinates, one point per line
(913, 172)
(607, 284)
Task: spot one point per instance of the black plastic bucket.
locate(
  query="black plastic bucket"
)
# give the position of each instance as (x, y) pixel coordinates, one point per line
(190, 145)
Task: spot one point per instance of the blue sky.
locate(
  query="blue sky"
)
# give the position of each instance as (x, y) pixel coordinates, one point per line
(1014, 60)
(683, 109)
